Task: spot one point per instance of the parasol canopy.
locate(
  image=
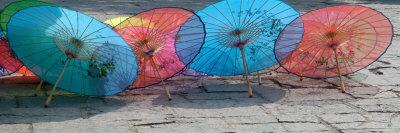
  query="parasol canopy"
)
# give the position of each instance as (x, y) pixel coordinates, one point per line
(337, 41)
(115, 21)
(253, 25)
(165, 41)
(7, 59)
(8, 63)
(72, 51)
(16, 6)
(241, 36)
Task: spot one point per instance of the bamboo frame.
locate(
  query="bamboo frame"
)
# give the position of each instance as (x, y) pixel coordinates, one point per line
(50, 97)
(38, 88)
(259, 78)
(246, 69)
(202, 86)
(162, 80)
(343, 88)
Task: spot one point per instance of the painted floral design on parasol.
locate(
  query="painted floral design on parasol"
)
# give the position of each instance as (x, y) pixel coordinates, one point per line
(337, 41)
(72, 51)
(241, 36)
(165, 41)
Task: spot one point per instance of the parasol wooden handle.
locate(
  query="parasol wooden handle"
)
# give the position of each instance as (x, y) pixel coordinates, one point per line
(50, 98)
(38, 88)
(162, 80)
(259, 78)
(246, 69)
(339, 71)
(202, 86)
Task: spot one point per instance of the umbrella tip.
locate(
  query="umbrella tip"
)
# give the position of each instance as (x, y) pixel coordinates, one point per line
(46, 106)
(169, 99)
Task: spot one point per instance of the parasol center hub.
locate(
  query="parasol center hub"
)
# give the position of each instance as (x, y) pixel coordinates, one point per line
(237, 32)
(333, 45)
(149, 52)
(331, 34)
(78, 43)
(144, 42)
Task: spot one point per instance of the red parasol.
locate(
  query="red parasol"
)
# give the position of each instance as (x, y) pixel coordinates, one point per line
(165, 41)
(337, 41)
(8, 63)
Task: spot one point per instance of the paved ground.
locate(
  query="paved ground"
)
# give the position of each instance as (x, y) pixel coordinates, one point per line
(282, 103)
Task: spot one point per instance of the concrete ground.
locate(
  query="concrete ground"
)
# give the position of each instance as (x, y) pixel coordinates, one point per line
(281, 104)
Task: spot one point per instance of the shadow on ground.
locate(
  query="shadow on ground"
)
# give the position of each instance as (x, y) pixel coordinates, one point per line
(19, 106)
(216, 96)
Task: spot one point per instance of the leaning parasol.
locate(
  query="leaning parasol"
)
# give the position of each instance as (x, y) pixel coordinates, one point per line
(165, 41)
(337, 41)
(72, 51)
(241, 36)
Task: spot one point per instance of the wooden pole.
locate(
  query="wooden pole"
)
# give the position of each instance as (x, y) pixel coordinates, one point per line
(246, 69)
(202, 86)
(162, 80)
(259, 78)
(339, 71)
(38, 88)
(50, 98)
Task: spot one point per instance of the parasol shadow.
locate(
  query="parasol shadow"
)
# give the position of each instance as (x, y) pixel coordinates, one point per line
(19, 106)
(220, 96)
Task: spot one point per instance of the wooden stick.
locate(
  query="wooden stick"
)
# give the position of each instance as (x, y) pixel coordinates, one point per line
(259, 78)
(246, 69)
(162, 80)
(50, 98)
(38, 88)
(340, 73)
(202, 86)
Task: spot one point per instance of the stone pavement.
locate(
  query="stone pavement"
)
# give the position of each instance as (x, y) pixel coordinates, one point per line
(281, 104)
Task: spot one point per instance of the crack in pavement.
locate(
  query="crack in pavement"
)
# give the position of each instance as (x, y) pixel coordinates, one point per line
(291, 86)
(384, 62)
(377, 72)
(156, 123)
(323, 122)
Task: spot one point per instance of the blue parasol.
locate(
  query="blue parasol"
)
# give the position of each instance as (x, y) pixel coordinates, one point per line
(72, 51)
(241, 35)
